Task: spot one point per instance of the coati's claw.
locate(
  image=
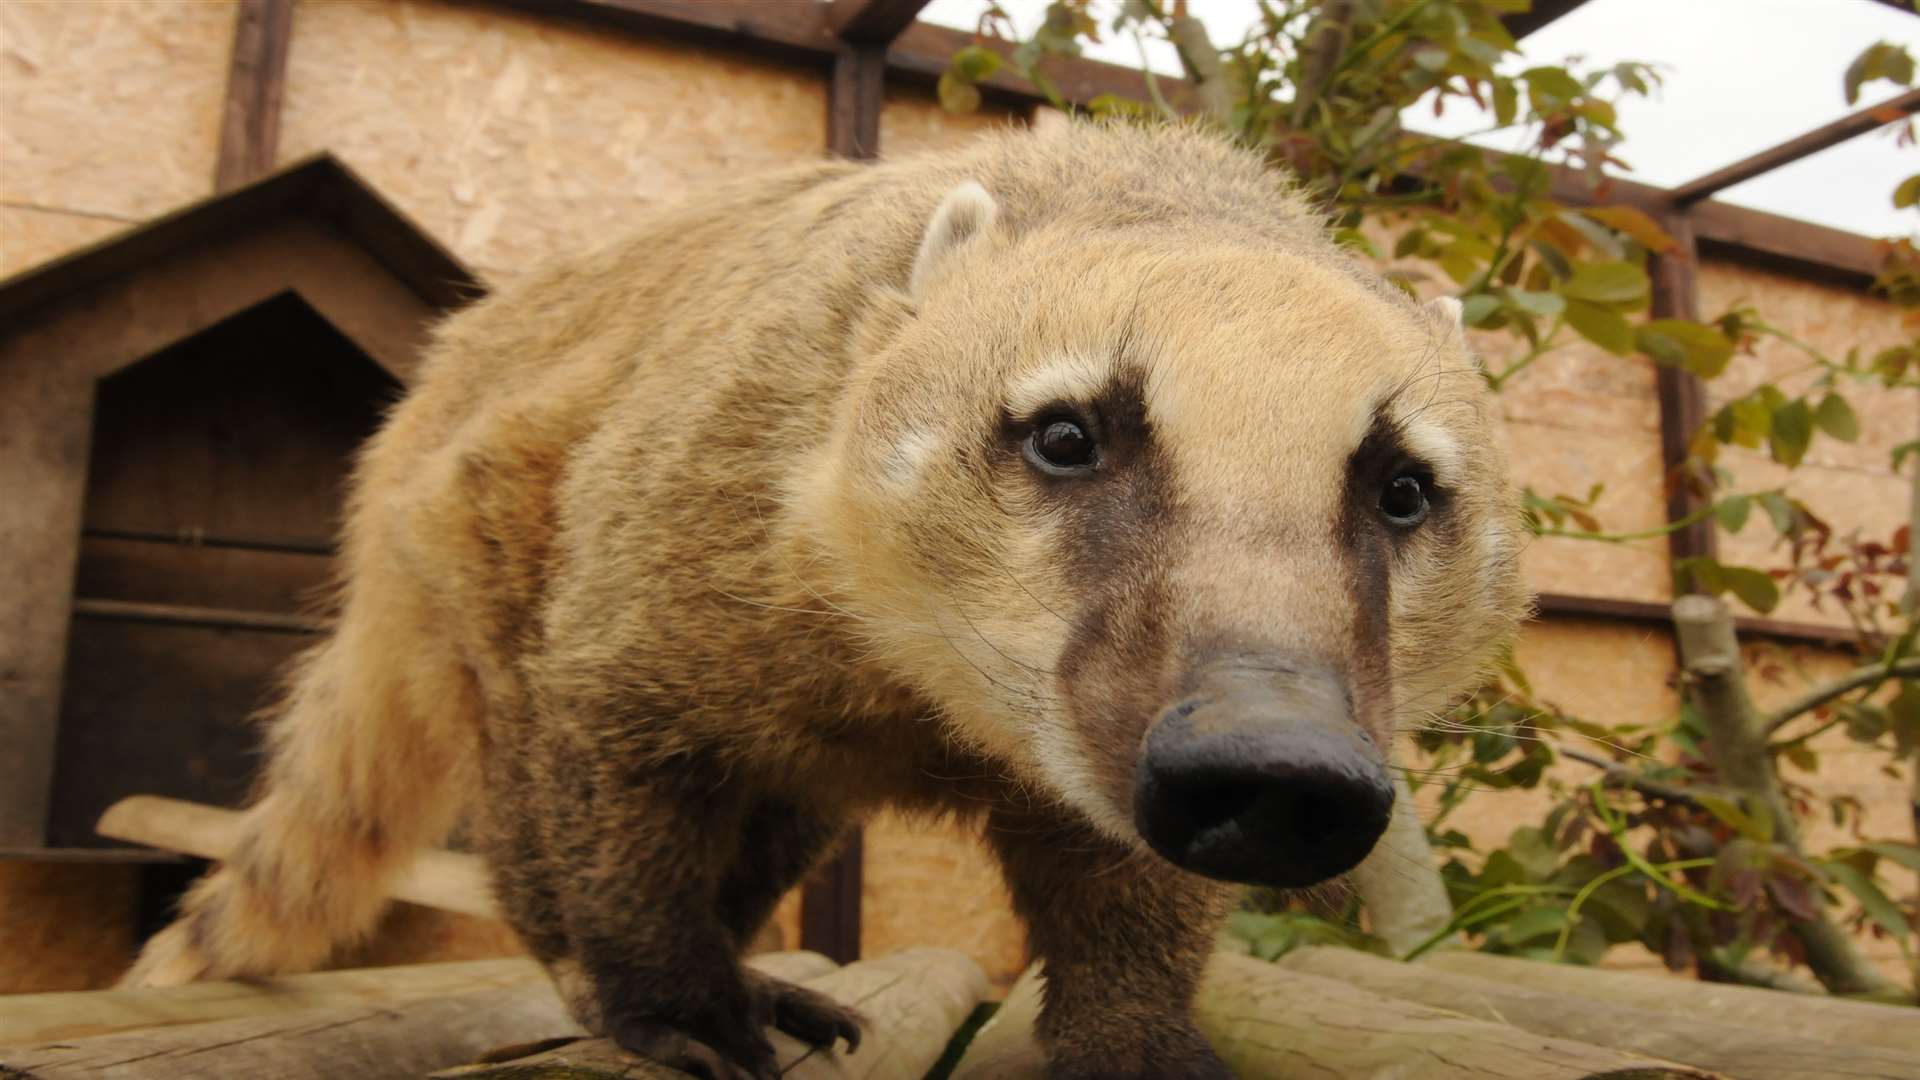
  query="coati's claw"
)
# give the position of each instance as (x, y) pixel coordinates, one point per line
(807, 1015)
(660, 1042)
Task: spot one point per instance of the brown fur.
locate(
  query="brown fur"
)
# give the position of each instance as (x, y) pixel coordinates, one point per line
(693, 551)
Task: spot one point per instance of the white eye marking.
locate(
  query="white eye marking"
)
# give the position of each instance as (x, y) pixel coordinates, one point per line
(1070, 378)
(908, 458)
(1437, 447)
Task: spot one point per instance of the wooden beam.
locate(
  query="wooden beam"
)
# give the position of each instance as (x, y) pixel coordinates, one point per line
(203, 617)
(250, 122)
(1683, 397)
(855, 93)
(1820, 138)
(1542, 13)
(872, 22)
(1659, 616)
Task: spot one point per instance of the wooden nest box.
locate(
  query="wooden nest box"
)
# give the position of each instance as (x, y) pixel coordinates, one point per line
(179, 407)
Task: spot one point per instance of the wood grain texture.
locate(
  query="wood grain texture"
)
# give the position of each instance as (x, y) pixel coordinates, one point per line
(1268, 1021)
(256, 81)
(1838, 1021)
(1660, 1025)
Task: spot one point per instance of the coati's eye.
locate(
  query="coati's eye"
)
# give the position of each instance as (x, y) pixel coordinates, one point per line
(1061, 445)
(1404, 500)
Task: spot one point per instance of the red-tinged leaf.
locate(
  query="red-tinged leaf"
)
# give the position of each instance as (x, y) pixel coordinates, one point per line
(1794, 896)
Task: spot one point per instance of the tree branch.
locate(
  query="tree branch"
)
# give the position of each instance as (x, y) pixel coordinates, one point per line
(1846, 684)
(1621, 776)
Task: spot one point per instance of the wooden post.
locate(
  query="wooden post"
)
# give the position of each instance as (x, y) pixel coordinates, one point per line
(830, 905)
(250, 124)
(854, 97)
(1683, 399)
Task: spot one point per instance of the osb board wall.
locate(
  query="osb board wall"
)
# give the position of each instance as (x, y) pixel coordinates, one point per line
(112, 117)
(512, 138)
(934, 883)
(1852, 486)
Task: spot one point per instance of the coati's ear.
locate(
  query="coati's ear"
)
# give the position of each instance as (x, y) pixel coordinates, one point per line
(1447, 310)
(966, 213)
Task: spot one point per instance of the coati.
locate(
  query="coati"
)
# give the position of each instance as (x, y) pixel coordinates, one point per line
(1074, 483)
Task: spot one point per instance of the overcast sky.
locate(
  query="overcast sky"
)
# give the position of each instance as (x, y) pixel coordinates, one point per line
(1741, 75)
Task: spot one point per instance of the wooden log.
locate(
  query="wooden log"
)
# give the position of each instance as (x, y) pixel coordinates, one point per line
(1268, 1021)
(39, 1018)
(448, 880)
(376, 1022)
(913, 1000)
(1890, 1026)
(1804, 1052)
(370, 1041)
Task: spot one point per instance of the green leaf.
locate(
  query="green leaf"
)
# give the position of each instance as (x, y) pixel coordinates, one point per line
(1881, 60)
(956, 94)
(1905, 854)
(1602, 326)
(1754, 588)
(1533, 851)
(1634, 223)
(1544, 304)
(1682, 343)
(974, 63)
(1779, 510)
(1836, 418)
(1732, 512)
(1874, 902)
(1792, 431)
(1506, 102)
(1475, 309)
(1908, 192)
(1736, 818)
(1534, 923)
(1615, 282)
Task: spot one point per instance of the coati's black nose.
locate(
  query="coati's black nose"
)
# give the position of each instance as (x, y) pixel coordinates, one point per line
(1262, 776)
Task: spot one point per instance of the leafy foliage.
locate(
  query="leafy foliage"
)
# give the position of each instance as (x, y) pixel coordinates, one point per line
(1654, 849)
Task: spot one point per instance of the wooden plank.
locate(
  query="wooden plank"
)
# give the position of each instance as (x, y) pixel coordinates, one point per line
(1683, 397)
(1820, 138)
(873, 22)
(1662, 1025)
(250, 121)
(855, 92)
(449, 880)
(830, 905)
(1542, 13)
(794, 31)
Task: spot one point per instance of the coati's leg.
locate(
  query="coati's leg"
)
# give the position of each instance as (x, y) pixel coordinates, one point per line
(637, 858)
(1122, 937)
(368, 760)
(779, 843)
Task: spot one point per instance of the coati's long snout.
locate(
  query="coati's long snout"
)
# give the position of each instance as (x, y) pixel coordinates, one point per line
(1260, 774)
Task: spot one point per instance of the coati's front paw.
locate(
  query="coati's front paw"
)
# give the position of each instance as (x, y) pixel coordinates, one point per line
(730, 1059)
(807, 1015)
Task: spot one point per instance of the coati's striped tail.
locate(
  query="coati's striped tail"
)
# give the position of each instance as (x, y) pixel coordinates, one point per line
(368, 760)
